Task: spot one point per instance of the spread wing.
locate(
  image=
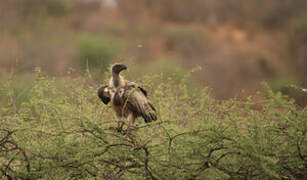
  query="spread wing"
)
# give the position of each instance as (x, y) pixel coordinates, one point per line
(135, 100)
(104, 94)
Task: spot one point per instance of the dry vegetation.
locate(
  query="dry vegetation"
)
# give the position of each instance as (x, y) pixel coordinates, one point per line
(63, 131)
(53, 126)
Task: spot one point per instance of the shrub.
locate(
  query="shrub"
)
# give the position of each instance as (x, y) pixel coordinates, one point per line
(96, 52)
(18, 90)
(285, 85)
(70, 134)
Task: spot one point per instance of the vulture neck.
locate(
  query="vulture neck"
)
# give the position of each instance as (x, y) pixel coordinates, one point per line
(117, 80)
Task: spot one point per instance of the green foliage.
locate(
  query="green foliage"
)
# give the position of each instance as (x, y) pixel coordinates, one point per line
(169, 69)
(284, 85)
(15, 92)
(67, 133)
(278, 84)
(96, 52)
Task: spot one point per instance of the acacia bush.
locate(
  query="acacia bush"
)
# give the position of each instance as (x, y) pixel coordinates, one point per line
(65, 132)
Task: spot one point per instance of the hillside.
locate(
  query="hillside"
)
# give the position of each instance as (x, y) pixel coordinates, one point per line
(237, 43)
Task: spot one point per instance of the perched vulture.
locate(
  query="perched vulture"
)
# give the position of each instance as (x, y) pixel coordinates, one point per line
(127, 99)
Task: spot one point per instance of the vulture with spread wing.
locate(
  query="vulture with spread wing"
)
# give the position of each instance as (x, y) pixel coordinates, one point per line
(127, 98)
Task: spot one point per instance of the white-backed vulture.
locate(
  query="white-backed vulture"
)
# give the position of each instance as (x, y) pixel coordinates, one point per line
(127, 99)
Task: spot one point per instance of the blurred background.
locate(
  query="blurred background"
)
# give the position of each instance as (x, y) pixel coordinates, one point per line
(238, 43)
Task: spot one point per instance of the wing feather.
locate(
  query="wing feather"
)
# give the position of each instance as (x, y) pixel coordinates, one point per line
(104, 94)
(137, 102)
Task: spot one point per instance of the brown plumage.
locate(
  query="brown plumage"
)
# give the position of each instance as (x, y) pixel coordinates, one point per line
(127, 99)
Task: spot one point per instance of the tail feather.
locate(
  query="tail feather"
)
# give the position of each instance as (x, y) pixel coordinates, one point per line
(149, 117)
(150, 114)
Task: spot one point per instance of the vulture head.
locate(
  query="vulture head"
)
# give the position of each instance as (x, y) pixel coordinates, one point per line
(117, 68)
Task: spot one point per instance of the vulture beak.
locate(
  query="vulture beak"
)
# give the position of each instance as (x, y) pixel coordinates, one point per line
(117, 68)
(123, 67)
